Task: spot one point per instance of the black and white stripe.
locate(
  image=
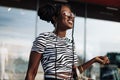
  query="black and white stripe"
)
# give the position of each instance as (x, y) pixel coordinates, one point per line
(47, 44)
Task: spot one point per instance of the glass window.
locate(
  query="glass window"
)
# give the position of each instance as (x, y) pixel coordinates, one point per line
(17, 32)
(19, 27)
(102, 37)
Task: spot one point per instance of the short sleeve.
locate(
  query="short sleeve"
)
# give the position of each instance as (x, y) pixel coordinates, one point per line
(39, 44)
(76, 57)
(76, 60)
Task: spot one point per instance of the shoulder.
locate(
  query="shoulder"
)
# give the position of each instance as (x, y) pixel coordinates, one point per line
(45, 34)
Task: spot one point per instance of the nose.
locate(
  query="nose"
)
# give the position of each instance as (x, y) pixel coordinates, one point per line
(71, 18)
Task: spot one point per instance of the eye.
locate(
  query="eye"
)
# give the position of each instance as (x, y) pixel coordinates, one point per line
(68, 14)
(72, 15)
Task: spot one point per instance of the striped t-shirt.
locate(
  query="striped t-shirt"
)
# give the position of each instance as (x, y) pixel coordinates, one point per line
(57, 53)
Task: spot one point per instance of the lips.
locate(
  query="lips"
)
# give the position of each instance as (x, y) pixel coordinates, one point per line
(70, 21)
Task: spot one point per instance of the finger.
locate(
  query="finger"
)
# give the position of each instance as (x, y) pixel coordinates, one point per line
(100, 60)
(106, 59)
(108, 62)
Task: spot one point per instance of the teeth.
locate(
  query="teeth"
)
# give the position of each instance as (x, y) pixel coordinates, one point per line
(70, 21)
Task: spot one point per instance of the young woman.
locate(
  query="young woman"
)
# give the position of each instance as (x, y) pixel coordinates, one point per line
(54, 49)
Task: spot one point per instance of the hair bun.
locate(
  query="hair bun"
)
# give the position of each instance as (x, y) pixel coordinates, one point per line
(46, 12)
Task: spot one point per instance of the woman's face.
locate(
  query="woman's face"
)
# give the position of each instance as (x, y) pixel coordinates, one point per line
(66, 18)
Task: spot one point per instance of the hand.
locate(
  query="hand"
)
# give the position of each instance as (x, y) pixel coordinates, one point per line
(102, 59)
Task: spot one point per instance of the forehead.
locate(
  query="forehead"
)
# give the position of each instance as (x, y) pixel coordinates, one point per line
(65, 8)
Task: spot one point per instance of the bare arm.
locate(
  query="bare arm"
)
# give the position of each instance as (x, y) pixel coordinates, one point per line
(34, 61)
(99, 59)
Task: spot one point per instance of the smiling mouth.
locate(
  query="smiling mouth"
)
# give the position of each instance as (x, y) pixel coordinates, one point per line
(71, 22)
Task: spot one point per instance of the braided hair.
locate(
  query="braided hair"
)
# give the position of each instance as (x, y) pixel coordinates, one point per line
(46, 12)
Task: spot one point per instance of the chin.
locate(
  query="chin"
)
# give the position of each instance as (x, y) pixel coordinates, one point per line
(70, 27)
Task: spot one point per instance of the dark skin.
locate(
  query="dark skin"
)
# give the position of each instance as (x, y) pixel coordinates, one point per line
(100, 59)
(63, 24)
(33, 65)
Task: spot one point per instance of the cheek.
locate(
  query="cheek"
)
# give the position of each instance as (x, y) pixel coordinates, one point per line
(64, 21)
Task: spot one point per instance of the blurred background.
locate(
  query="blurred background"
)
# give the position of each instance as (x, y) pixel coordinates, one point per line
(97, 32)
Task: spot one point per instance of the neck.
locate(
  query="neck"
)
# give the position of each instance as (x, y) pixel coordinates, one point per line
(60, 33)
